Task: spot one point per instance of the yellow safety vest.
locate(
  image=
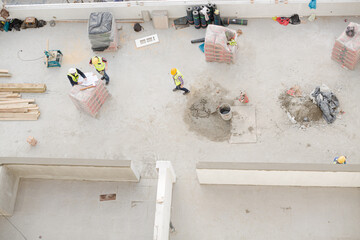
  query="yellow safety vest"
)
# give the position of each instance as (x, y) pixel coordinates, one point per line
(100, 66)
(75, 77)
(232, 42)
(176, 78)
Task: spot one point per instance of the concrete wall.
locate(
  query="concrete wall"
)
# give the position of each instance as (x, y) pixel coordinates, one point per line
(9, 183)
(72, 169)
(316, 175)
(12, 169)
(166, 180)
(239, 8)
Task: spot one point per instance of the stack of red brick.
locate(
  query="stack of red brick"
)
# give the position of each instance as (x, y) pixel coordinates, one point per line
(346, 49)
(89, 100)
(216, 45)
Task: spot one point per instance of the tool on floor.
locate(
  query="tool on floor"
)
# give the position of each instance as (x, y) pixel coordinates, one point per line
(53, 58)
(30, 22)
(199, 40)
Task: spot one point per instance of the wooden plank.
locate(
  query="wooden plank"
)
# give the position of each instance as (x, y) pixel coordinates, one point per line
(15, 110)
(19, 105)
(4, 71)
(23, 87)
(12, 95)
(34, 108)
(18, 115)
(13, 101)
(34, 111)
(11, 98)
(5, 75)
(32, 118)
(4, 93)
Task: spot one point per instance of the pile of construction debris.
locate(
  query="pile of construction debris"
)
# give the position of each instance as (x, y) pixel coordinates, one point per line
(13, 107)
(303, 109)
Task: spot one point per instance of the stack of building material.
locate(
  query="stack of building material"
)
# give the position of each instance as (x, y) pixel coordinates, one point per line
(346, 49)
(89, 100)
(13, 107)
(23, 87)
(102, 31)
(4, 73)
(216, 44)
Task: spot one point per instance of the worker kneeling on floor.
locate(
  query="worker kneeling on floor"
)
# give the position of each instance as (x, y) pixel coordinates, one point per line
(179, 81)
(74, 75)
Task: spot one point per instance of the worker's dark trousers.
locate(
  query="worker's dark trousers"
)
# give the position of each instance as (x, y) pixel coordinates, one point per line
(182, 89)
(104, 76)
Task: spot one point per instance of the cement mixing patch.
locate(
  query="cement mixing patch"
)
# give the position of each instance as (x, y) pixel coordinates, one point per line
(202, 116)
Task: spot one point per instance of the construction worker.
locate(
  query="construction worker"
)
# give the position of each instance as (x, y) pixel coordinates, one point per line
(340, 160)
(179, 81)
(100, 65)
(73, 76)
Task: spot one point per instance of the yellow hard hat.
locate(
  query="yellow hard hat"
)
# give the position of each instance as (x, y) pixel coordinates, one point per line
(173, 71)
(341, 159)
(95, 60)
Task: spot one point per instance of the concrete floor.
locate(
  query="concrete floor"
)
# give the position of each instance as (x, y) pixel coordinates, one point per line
(143, 121)
(51, 209)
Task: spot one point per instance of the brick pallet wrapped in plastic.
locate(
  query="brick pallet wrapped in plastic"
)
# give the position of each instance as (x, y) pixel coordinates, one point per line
(346, 49)
(103, 33)
(216, 44)
(89, 100)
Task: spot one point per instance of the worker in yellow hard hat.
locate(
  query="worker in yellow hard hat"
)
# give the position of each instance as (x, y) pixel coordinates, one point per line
(340, 160)
(178, 80)
(100, 65)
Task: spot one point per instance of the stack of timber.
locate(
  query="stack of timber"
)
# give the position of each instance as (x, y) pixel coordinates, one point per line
(23, 87)
(4, 73)
(13, 107)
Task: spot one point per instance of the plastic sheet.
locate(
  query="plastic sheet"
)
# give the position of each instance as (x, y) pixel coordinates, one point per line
(327, 102)
(101, 30)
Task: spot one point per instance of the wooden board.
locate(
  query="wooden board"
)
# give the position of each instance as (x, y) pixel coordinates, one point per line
(29, 117)
(23, 87)
(5, 75)
(5, 93)
(11, 95)
(14, 110)
(19, 115)
(18, 105)
(4, 71)
(14, 101)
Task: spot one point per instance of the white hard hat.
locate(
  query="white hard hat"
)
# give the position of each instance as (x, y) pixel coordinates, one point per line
(72, 70)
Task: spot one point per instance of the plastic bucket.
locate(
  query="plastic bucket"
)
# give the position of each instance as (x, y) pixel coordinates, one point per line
(225, 111)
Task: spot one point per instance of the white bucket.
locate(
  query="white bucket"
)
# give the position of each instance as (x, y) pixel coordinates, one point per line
(225, 111)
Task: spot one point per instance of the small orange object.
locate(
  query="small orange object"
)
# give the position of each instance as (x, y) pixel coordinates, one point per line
(243, 97)
(31, 140)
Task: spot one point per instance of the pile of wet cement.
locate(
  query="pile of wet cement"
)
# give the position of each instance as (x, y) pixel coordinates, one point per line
(302, 109)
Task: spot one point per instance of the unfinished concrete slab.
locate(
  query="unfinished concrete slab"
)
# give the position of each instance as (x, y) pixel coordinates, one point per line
(243, 124)
(56, 209)
(143, 121)
(255, 212)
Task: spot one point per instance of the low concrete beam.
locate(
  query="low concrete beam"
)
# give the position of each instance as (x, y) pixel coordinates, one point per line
(166, 180)
(9, 183)
(279, 174)
(72, 169)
